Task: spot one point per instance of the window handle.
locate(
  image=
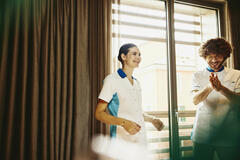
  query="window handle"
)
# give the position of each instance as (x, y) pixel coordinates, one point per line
(176, 116)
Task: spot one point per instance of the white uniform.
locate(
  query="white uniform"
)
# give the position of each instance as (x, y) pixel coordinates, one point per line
(125, 101)
(217, 122)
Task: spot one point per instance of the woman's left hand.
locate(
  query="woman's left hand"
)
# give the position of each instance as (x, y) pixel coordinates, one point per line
(158, 124)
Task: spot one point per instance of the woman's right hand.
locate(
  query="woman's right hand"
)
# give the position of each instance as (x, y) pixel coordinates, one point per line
(131, 127)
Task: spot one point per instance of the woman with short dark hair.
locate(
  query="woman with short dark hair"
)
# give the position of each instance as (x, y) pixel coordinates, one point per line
(121, 95)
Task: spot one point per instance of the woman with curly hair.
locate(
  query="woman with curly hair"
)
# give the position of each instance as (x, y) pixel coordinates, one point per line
(216, 93)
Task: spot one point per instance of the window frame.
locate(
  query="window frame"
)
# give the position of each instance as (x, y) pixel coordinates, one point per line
(172, 75)
(174, 144)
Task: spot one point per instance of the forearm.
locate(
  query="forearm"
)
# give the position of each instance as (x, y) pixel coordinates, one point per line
(229, 94)
(147, 117)
(130, 126)
(201, 95)
(157, 123)
(109, 119)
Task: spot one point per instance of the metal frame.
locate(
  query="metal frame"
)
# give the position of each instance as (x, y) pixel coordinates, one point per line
(172, 84)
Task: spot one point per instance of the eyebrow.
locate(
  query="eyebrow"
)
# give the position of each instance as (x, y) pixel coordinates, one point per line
(135, 52)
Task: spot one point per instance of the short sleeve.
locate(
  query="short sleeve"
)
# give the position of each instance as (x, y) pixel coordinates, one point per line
(195, 83)
(107, 91)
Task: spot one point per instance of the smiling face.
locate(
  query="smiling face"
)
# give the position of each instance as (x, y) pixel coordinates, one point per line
(133, 57)
(215, 61)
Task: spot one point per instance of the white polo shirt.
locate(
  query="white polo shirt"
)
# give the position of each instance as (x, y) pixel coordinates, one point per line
(217, 122)
(125, 101)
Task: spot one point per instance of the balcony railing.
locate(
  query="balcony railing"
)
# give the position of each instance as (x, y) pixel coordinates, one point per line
(185, 128)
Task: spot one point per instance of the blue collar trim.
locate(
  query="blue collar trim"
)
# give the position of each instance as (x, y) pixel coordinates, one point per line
(211, 70)
(122, 74)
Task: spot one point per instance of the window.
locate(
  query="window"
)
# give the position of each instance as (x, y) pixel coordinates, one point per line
(143, 22)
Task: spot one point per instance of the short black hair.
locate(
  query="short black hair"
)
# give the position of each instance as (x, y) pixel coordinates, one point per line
(125, 49)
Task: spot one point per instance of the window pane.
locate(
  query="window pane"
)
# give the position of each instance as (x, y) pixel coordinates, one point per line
(144, 23)
(188, 62)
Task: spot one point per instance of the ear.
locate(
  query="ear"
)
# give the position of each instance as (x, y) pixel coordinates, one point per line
(123, 56)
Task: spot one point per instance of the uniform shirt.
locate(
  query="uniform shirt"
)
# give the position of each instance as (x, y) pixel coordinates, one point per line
(217, 122)
(125, 101)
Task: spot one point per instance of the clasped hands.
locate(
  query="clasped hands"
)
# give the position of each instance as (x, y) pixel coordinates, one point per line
(215, 83)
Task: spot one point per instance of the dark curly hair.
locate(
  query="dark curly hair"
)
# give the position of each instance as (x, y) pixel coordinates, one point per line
(217, 46)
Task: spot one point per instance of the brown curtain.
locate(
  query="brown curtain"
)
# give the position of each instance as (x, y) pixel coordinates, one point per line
(100, 52)
(52, 60)
(234, 22)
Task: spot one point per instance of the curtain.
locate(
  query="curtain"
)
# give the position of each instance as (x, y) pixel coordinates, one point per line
(230, 60)
(52, 62)
(100, 36)
(234, 23)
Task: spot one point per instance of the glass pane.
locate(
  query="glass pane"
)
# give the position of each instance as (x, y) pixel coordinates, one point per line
(192, 24)
(144, 23)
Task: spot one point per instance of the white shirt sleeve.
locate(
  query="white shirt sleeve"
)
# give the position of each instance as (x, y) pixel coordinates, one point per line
(195, 83)
(237, 86)
(107, 91)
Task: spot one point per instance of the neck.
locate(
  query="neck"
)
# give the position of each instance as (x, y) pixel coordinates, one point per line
(128, 71)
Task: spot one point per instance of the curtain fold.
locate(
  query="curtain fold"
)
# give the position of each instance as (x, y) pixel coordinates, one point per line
(234, 13)
(100, 53)
(230, 60)
(54, 56)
